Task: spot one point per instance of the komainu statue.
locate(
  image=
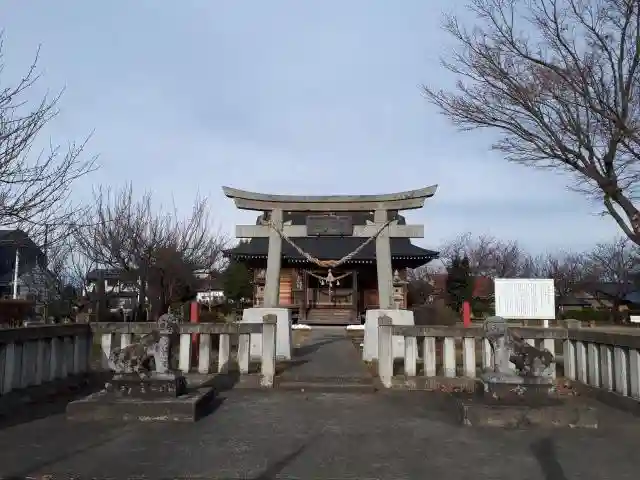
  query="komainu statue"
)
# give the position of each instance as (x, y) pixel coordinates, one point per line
(509, 347)
(156, 346)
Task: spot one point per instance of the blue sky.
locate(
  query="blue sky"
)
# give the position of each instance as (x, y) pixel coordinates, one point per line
(281, 96)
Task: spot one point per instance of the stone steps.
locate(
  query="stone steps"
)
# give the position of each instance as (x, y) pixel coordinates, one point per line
(327, 384)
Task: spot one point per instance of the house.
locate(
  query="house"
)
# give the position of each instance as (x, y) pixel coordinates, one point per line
(120, 288)
(573, 301)
(21, 257)
(210, 289)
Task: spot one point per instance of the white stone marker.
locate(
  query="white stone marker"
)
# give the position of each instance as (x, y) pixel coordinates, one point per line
(283, 330)
(398, 317)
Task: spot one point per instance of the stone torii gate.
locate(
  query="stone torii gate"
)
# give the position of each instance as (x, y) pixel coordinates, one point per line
(275, 205)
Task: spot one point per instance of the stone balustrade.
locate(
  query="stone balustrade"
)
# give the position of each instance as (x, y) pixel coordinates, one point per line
(32, 356)
(604, 359)
(231, 334)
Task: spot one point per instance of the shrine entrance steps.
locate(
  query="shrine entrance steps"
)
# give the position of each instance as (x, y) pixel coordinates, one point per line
(331, 316)
(326, 361)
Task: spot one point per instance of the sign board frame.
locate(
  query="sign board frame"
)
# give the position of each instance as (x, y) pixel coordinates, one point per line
(329, 226)
(525, 298)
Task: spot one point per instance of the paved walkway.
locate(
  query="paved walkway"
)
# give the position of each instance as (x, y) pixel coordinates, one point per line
(286, 434)
(328, 353)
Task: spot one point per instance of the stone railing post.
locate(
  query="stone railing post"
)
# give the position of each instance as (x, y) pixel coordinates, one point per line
(469, 357)
(204, 353)
(106, 344)
(268, 366)
(410, 355)
(224, 353)
(55, 361)
(569, 357)
(9, 366)
(429, 356)
(449, 357)
(184, 354)
(385, 350)
(244, 351)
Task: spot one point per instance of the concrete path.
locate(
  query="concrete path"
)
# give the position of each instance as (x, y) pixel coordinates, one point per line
(279, 434)
(327, 353)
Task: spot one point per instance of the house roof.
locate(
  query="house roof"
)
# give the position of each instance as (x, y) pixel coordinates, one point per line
(30, 253)
(106, 273)
(208, 284)
(16, 237)
(633, 297)
(574, 299)
(333, 248)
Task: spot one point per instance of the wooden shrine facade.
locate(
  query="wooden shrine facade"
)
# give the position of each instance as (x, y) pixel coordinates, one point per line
(329, 228)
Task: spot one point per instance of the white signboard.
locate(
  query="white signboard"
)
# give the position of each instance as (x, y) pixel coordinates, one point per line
(525, 298)
(634, 318)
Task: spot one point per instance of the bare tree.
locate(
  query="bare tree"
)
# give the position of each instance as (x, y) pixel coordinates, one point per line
(570, 271)
(421, 287)
(153, 247)
(35, 186)
(559, 81)
(78, 268)
(487, 255)
(615, 265)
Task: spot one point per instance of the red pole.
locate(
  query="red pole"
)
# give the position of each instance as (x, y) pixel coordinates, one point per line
(195, 337)
(466, 313)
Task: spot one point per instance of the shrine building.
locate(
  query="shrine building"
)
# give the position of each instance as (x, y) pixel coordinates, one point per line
(310, 284)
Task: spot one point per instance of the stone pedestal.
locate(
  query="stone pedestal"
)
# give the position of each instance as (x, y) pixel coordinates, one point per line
(157, 385)
(398, 317)
(283, 330)
(511, 401)
(161, 396)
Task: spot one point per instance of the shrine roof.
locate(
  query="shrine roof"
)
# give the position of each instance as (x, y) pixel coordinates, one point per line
(332, 248)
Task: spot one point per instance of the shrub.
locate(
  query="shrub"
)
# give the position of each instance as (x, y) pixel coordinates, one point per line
(601, 316)
(436, 314)
(211, 317)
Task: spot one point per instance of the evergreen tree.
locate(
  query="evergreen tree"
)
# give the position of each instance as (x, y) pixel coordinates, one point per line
(237, 282)
(459, 284)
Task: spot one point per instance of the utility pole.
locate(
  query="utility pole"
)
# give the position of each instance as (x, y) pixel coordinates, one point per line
(47, 286)
(16, 269)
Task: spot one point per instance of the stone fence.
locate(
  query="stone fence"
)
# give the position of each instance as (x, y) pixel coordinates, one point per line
(237, 335)
(597, 358)
(31, 356)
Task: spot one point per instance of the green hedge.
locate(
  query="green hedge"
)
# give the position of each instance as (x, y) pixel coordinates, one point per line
(603, 316)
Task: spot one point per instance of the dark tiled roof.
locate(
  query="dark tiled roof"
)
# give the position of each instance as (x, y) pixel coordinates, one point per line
(332, 248)
(633, 297)
(572, 299)
(206, 284)
(107, 273)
